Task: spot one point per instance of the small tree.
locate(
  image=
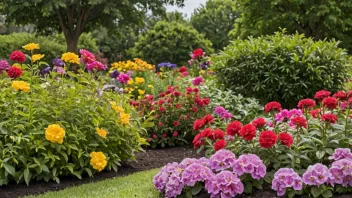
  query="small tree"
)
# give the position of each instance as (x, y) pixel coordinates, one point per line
(169, 42)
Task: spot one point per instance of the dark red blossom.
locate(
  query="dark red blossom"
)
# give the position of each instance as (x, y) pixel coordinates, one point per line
(18, 56)
(14, 72)
(194, 109)
(306, 103)
(330, 102)
(197, 53)
(340, 95)
(208, 119)
(208, 133)
(162, 95)
(248, 132)
(198, 141)
(267, 139)
(178, 106)
(328, 117)
(219, 134)
(198, 124)
(233, 128)
(299, 121)
(322, 94)
(175, 134)
(176, 93)
(162, 109)
(272, 106)
(259, 122)
(315, 113)
(176, 123)
(161, 101)
(286, 139)
(182, 69)
(164, 135)
(220, 144)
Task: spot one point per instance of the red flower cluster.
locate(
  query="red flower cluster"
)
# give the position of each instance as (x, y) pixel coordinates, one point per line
(340, 95)
(183, 69)
(197, 53)
(267, 139)
(220, 144)
(322, 94)
(315, 113)
(14, 72)
(259, 122)
(299, 121)
(286, 139)
(306, 104)
(248, 132)
(272, 106)
(328, 117)
(330, 102)
(199, 123)
(233, 128)
(217, 134)
(17, 56)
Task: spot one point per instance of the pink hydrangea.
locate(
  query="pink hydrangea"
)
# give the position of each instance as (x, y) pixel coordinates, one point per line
(224, 184)
(341, 153)
(316, 175)
(341, 173)
(250, 164)
(196, 173)
(222, 160)
(286, 178)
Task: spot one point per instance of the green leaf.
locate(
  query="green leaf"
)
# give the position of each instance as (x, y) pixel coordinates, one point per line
(10, 169)
(320, 154)
(27, 176)
(248, 187)
(327, 194)
(315, 191)
(196, 189)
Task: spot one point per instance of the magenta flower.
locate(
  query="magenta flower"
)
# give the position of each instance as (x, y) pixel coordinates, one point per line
(225, 184)
(341, 153)
(197, 81)
(316, 175)
(196, 173)
(123, 78)
(96, 65)
(285, 115)
(222, 112)
(4, 65)
(222, 160)
(286, 178)
(86, 56)
(250, 164)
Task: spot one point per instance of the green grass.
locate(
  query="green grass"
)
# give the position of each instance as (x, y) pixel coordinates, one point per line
(131, 186)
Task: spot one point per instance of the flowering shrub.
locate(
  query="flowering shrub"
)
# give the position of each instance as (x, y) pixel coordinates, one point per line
(135, 65)
(55, 124)
(221, 176)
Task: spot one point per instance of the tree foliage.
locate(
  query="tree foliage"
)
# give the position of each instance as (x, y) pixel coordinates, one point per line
(215, 20)
(317, 19)
(169, 42)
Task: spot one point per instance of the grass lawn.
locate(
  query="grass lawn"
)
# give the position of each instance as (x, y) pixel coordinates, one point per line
(132, 186)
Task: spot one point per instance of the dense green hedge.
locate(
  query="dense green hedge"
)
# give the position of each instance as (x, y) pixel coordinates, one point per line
(281, 67)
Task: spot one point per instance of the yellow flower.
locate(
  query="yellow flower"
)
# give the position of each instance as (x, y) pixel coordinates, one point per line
(117, 108)
(202, 72)
(141, 92)
(98, 160)
(12, 138)
(101, 132)
(70, 57)
(125, 118)
(31, 46)
(55, 134)
(130, 82)
(150, 86)
(37, 57)
(139, 80)
(20, 85)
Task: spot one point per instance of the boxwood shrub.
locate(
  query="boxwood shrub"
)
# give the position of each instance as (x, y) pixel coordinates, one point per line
(280, 67)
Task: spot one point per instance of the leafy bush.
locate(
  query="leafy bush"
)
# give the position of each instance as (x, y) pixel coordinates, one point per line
(281, 67)
(169, 42)
(58, 124)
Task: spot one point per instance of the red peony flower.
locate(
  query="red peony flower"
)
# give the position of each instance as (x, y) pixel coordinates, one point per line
(198, 124)
(182, 69)
(198, 141)
(17, 56)
(299, 121)
(259, 122)
(176, 123)
(328, 117)
(233, 128)
(247, 132)
(175, 134)
(178, 106)
(164, 135)
(315, 113)
(267, 139)
(322, 94)
(14, 72)
(306, 103)
(197, 53)
(220, 144)
(286, 139)
(272, 106)
(208, 133)
(208, 119)
(219, 134)
(330, 102)
(340, 95)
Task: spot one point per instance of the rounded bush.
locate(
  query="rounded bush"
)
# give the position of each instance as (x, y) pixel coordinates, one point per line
(281, 67)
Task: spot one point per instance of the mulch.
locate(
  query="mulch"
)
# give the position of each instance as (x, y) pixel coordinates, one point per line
(152, 158)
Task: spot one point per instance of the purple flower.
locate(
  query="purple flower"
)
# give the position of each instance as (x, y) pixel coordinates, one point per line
(251, 164)
(196, 173)
(45, 71)
(225, 184)
(4, 65)
(341, 173)
(114, 74)
(203, 161)
(222, 160)
(95, 65)
(168, 180)
(205, 65)
(187, 161)
(341, 153)
(197, 81)
(286, 178)
(168, 65)
(58, 62)
(316, 175)
(59, 70)
(123, 78)
(222, 112)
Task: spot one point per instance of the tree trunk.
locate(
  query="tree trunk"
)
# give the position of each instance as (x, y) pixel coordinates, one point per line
(72, 42)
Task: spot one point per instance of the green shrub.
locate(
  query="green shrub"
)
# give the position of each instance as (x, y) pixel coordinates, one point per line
(169, 42)
(280, 67)
(73, 103)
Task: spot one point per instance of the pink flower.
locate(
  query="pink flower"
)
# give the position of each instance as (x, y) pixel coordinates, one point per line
(197, 81)
(86, 56)
(96, 65)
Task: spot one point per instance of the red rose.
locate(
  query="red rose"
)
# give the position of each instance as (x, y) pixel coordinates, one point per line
(299, 121)
(182, 69)
(208, 119)
(197, 53)
(220, 144)
(286, 139)
(340, 95)
(155, 136)
(267, 139)
(306, 103)
(219, 134)
(164, 135)
(259, 122)
(322, 94)
(17, 56)
(178, 106)
(328, 117)
(198, 141)
(247, 132)
(330, 102)
(272, 106)
(233, 128)
(14, 72)
(315, 113)
(207, 133)
(198, 124)
(176, 123)
(175, 134)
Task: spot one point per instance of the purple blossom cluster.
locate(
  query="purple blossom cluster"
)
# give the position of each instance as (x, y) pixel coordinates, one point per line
(222, 112)
(222, 160)
(196, 173)
(251, 164)
(286, 178)
(316, 175)
(341, 153)
(168, 180)
(286, 115)
(341, 173)
(167, 65)
(4, 65)
(225, 185)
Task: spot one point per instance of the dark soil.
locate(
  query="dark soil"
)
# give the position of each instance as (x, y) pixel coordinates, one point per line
(152, 158)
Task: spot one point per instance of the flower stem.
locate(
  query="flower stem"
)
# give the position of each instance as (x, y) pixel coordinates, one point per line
(346, 121)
